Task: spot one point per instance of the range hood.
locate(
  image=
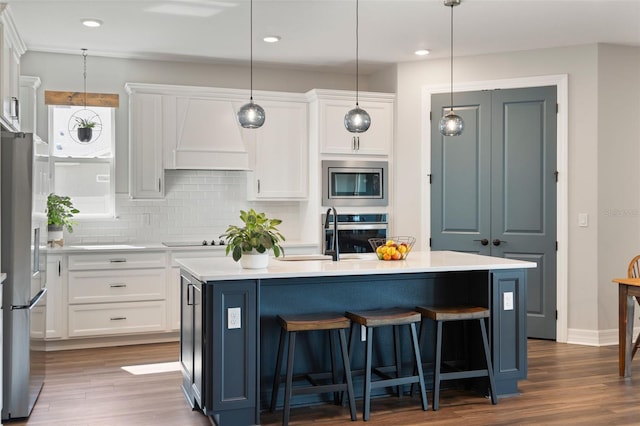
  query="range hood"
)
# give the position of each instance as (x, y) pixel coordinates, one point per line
(205, 134)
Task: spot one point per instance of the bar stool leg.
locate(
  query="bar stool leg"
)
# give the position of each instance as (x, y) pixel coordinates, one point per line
(334, 367)
(397, 356)
(367, 375)
(276, 377)
(487, 354)
(288, 385)
(436, 375)
(347, 372)
(421, 336)
(416, 351)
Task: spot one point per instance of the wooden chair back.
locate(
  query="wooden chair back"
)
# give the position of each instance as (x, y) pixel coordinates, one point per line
(634, 268)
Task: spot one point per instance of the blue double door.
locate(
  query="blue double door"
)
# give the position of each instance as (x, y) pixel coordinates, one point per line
(493, 189)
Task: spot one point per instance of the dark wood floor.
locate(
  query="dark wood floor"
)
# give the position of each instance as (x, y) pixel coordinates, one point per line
(567, 384)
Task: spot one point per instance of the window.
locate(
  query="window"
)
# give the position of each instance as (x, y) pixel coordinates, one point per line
(81, 170)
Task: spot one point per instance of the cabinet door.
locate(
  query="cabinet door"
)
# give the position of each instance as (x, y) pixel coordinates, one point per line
(335, 139)
(146, 176)
(280, 153)
(56, 308)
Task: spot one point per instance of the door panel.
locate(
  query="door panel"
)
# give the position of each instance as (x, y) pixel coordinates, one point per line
(459, 179)
(500, 186)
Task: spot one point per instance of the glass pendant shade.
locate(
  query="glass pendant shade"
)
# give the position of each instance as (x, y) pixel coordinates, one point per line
(357, 120)
(451, 124)
(251, 115)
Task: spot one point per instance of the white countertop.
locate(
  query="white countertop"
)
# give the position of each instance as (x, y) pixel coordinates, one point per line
(3, 277)
(97, 248)
(221, 269)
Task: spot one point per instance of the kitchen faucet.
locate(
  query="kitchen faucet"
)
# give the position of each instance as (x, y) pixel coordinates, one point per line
(335, 253)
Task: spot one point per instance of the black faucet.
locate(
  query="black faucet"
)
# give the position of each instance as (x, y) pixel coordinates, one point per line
(335, 253)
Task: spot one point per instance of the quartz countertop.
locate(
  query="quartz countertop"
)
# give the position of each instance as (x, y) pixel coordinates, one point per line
(222, 269)
(152, 246)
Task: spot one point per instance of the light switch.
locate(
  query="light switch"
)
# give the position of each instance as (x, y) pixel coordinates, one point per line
(583, 220)
(234, 319)
(508, 301)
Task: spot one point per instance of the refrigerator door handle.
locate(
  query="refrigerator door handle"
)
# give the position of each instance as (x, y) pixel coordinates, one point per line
(33, 301)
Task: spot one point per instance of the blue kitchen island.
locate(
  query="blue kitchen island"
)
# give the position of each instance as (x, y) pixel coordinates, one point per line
(229, 335)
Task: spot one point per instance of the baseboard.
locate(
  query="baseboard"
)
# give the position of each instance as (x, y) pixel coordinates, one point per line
(101, 342)
(596, 337)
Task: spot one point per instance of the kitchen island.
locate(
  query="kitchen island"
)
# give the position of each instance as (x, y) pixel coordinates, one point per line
(229, 333)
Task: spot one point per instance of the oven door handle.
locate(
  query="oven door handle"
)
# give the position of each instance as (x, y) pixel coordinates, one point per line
(349, 227)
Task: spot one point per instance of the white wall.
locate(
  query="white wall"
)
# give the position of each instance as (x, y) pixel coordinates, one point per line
(592, 305)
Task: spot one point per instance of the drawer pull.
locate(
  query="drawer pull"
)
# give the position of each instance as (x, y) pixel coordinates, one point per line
(118, 318)
(117, 285)
(118, 260)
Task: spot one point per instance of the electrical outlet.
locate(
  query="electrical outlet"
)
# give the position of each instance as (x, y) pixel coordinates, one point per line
(234, 319)
(508, 301)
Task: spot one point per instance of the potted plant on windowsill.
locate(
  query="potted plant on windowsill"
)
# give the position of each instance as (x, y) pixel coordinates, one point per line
(250, 244)
(85, 129)
(60, 210)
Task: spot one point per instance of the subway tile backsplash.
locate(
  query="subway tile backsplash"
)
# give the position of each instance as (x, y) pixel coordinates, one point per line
(198, 204)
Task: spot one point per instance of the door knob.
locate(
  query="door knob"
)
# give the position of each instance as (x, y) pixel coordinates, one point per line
(483, 241)
(497, 242)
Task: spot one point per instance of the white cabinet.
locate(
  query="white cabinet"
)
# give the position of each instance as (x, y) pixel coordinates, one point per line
(330, 108)
(202, 132)
(12, 48)
(146, 175)
(56, 305)
(279, 153)
(116, 293)
(28, 103)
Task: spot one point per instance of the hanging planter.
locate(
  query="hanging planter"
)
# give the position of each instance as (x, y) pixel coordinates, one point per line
(85, 129)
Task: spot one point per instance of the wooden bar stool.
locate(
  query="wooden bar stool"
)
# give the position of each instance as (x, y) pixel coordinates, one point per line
(458, 313)
(381, 318)
(291, 325)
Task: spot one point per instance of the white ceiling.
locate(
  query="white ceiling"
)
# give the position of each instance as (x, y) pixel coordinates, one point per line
(319, 33)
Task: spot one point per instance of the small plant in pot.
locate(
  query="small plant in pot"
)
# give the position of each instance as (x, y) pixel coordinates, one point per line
(251, 243)
(60, 211)
(85, 129)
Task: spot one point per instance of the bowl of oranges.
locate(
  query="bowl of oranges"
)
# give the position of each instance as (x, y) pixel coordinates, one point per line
(392, 248)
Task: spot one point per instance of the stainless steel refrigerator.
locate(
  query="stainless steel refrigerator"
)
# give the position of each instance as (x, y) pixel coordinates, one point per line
(24, 260)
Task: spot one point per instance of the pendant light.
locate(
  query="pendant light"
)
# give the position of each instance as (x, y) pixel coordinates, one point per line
(86, 123)
(451, 124)
(357, 120)
(251, 115)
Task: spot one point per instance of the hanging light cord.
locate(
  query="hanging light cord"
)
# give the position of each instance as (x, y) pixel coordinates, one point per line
(84, 57)
(251, 49)
(451, 57)
(357, 49)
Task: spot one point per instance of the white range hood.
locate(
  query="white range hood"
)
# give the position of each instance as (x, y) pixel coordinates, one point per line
(203, 133)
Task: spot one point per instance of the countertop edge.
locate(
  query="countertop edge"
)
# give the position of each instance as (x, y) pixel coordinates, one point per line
(3, 277)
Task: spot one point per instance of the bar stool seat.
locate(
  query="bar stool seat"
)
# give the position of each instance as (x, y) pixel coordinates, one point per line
(387, 317)
(290, 326)
(457, 313)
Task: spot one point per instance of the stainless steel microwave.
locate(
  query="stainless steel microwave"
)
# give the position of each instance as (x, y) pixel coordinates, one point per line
(354, 183)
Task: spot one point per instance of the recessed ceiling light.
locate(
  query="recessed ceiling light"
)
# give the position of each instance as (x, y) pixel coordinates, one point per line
(92, 23)
(272, 39)
(422, 52)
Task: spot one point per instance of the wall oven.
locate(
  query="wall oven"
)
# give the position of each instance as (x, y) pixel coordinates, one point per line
(354, 183)
(354, 231)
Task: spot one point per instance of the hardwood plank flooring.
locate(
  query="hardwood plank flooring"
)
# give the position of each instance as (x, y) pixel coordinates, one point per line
(567, 384)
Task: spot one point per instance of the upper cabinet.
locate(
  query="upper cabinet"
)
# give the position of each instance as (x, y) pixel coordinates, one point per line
(28, 103)
(146, 175)
(12, 48)
(329, 108)
(279, 151)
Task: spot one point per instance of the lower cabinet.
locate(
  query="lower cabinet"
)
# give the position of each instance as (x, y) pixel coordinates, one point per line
(218, 349)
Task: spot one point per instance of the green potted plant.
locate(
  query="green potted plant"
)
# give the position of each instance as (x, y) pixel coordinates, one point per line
(85, 129)
(60, 211)
(251, 243)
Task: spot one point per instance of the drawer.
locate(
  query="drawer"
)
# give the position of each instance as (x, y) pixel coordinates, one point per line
(117, 260)
(116, 318)
(116, 286)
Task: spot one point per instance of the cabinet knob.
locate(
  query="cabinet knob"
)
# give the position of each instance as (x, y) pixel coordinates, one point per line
(483, 241)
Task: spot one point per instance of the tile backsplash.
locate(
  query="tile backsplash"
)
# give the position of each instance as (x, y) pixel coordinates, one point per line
(198, 204)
